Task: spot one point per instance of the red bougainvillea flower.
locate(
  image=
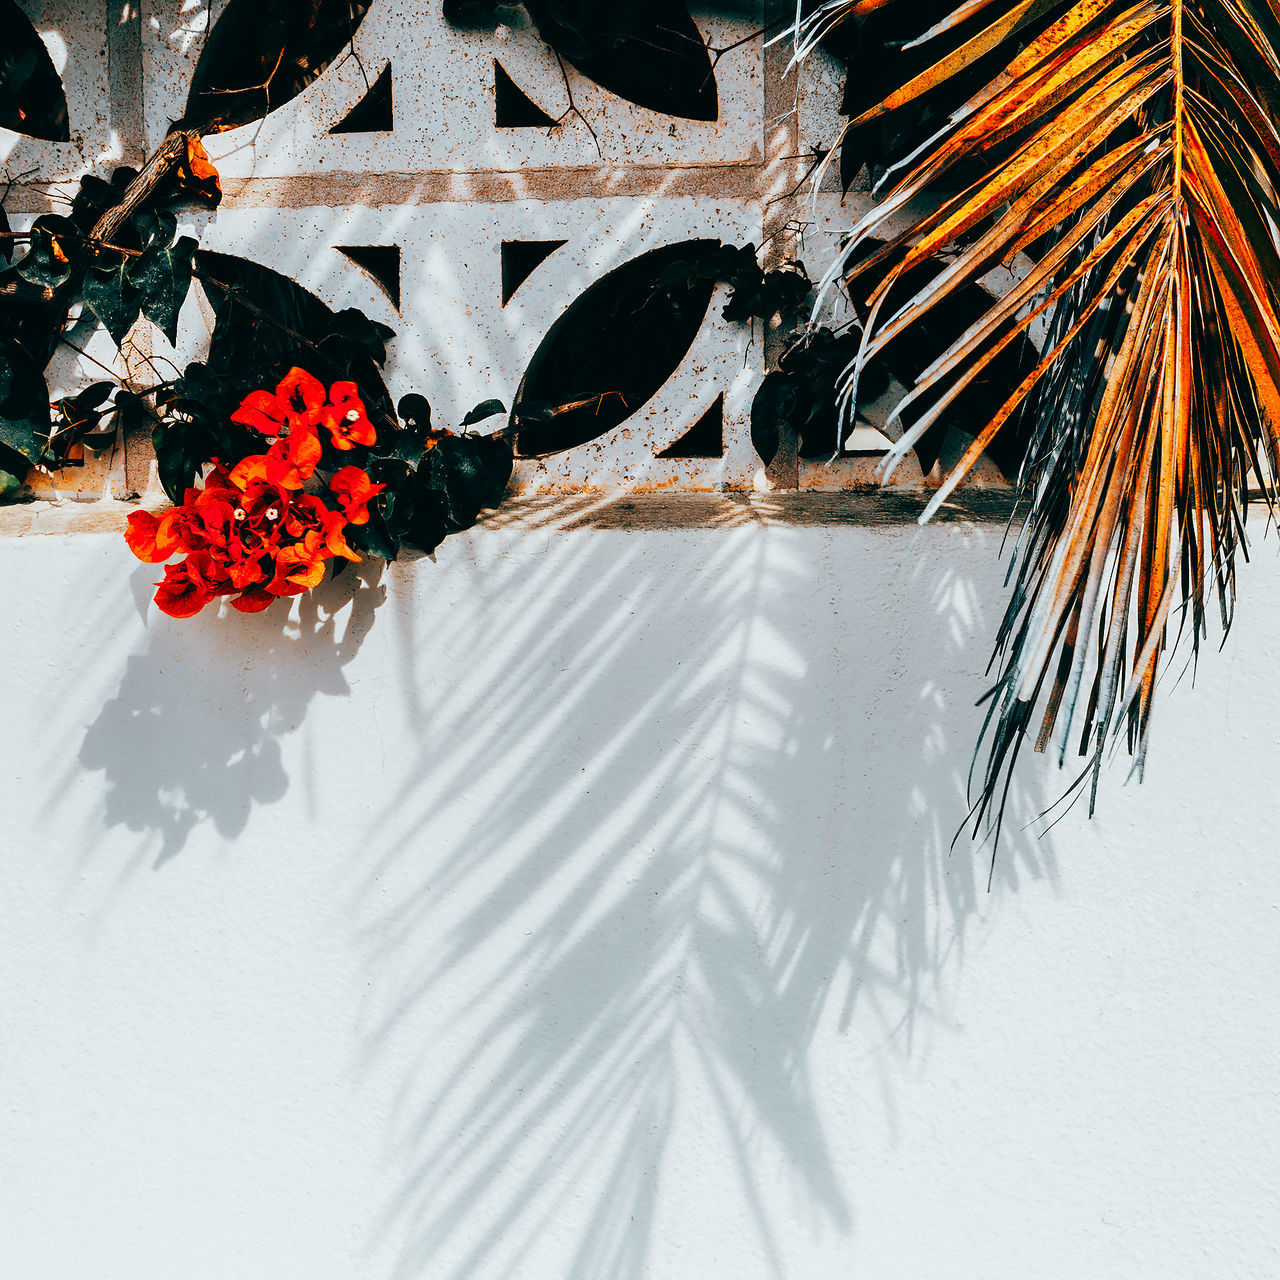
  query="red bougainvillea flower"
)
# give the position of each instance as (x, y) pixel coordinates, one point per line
(346, 418)
(249, 531)
(297, 402)
(354, 491)
(263, 412)
(154, 539)
(249, 469)
(289, 463)
(301, 392)
(217, 487)
(335, 540)
(180, 595)
(253, 600)
(308, 514)
(292, 462)
(299, 566)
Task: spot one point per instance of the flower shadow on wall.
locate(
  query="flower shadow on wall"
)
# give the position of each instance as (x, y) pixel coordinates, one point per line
(636, 881)
(178, 752)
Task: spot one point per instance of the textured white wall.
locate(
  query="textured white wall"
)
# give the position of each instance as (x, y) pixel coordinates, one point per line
(581, 906)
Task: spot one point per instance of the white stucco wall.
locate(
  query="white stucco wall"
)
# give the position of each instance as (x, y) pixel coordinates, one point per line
(581, 907)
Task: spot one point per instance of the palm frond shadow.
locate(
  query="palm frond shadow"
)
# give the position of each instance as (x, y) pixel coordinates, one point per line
(646, 837)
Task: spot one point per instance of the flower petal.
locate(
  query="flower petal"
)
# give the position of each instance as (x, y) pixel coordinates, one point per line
(291, 462)
(254, 600)
(354, 491)
(335, 540)
(179, 596)
(299, 386)
(262, 411)
(254, 467)
(153, 539)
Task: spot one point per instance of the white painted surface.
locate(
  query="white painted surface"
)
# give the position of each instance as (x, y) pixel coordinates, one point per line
(585, 910)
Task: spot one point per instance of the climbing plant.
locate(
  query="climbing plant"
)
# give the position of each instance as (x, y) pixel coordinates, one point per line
(269, 486)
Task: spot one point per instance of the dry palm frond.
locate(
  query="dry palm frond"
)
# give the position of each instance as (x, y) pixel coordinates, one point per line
(1127, 162)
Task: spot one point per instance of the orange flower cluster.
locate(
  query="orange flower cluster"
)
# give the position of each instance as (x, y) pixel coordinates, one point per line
(251, 529)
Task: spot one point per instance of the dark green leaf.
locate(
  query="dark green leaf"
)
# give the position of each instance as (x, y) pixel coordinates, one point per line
(196, 425)
(112, 296)
(132, 412)
(488, 409)
(535, 411)
(155, 227)
(25, 419)
(377, 537)
(79, 417)
(353, 329)
(95, 196)
(93, 396)
(415, 410)
(399, 446)
(428, 522)
(162, 276)
(473, 472)
(53, 242)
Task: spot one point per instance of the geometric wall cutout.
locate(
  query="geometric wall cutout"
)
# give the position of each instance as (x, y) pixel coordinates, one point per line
(652, 54)
(866, 439)
(382, 262)
(258, 56)
(374, 112)
(705, 439)
(520, 259)
(32, 100)
(617, 344)
(513, 108)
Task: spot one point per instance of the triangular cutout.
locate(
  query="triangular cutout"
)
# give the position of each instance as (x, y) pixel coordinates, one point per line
(513, 108)
(520, 259)
(382, 262)
(705, 439)
(374, 113)
(865, 438)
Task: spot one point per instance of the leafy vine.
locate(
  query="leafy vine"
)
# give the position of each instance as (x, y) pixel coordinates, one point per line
(268, 491)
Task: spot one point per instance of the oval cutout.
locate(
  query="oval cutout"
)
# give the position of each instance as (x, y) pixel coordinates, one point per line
(32, 99)
(649, 52)
(262, 54)
(612, 350)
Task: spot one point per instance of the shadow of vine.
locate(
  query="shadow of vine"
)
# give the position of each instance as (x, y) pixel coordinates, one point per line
(177, 751)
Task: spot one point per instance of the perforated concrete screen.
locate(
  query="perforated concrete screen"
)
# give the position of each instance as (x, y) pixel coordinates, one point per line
(469, 188)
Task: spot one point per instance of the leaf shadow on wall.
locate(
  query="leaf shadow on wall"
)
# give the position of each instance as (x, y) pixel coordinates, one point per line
(178, 751)
(688, 826)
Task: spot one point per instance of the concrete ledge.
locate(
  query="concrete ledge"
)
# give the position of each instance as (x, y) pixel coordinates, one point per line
(102, 516)
(638, 511)
(887, 508)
